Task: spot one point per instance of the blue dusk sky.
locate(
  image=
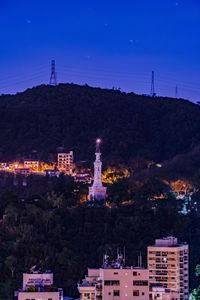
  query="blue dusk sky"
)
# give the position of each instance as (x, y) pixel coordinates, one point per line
(102, 43)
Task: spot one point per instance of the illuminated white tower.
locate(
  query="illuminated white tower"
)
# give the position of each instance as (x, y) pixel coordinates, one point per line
(97, 190)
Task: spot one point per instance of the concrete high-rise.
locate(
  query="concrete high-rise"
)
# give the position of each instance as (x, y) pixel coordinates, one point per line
(168, 266)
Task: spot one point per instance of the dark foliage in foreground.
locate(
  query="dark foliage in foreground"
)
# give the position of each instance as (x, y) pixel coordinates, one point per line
(54, 231)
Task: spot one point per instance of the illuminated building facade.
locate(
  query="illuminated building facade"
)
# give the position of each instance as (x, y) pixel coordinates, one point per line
(65, 163)
(32, 164)
(168, 265)
(97, 190)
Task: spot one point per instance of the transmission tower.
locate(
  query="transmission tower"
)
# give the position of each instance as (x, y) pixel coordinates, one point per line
(53, 80)
(176, 91)
(152, 93)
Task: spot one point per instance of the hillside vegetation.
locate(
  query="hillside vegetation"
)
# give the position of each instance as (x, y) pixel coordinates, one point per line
(48, 224)
(46, 117)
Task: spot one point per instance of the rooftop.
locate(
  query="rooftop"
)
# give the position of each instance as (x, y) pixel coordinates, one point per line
(169, 241)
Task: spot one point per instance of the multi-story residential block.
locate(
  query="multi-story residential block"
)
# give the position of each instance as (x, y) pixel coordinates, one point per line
(168, 266)
(22, 171)
(32, 164)
(115, 282)
(65, 162)
(39, 286)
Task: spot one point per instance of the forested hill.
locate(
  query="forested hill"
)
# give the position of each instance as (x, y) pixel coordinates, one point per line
(69, 115)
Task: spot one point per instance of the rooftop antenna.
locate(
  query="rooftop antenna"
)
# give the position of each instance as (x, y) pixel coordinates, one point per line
(152, 94)
(176, 91)
(140, 260)
(53, 79)
(124, 259)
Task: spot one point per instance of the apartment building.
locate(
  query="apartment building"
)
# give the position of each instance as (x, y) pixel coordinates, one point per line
(39, 286)
(32, 164)
(111, 283)
(166, 277)
(115, 281)
(168, 266)
(65, 163)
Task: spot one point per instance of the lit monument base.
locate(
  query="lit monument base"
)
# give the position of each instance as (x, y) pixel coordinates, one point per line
(97, 193)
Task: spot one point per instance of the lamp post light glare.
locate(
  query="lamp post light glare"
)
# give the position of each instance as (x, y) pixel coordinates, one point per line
(98, 141)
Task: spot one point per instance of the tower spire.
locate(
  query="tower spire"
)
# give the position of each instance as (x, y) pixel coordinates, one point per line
(97, 190)
(98, 142)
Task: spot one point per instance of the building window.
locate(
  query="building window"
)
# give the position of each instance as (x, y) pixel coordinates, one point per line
(164, 259)
(134, 273)
(140, 282)
(48, 299)
(136, 293)
(87, 295)
(115, 273)
(109, 293)
(116, 293)
(111, 282)
(142, 293)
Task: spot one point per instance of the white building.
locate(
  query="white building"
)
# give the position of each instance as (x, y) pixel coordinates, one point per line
(36, 279)
(65, 162)
(115, 281)
(39, 286)
(97, 190)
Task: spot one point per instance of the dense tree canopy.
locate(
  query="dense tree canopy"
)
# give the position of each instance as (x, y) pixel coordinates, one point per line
(46, 117)
(49, 227)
